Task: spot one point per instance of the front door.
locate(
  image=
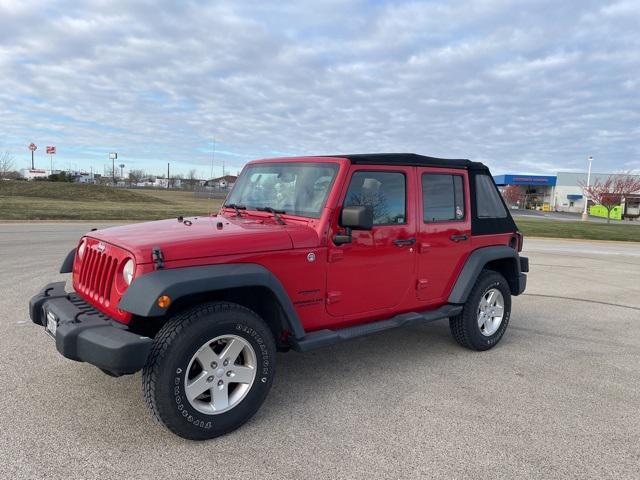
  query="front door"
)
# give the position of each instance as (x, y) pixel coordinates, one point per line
(376, 271)
(444, 231)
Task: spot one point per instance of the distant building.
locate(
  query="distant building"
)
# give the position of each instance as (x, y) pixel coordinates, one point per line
(164, 183)
(82, 177)
(222, 183)
(536, 190)
(561, 193)
(33, 173)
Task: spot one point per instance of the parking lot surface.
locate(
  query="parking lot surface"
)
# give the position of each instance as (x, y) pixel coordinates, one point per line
(559, 397)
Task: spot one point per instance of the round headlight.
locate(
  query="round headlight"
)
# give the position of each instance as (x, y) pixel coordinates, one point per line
(128, 271)
(81, 248)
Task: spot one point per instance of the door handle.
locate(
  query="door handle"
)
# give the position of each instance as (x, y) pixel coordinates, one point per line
(404, 242)
(459, 238)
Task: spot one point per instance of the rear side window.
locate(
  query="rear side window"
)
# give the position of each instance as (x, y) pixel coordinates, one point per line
(383, 191)
(442, 197)
(488, 201)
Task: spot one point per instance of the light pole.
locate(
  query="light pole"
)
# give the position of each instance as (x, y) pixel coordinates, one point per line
(585, 214)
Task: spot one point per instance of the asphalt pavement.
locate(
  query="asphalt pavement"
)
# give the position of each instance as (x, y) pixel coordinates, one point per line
(559, 397)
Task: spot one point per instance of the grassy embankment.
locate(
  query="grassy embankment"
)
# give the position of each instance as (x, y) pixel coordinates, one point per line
(69, 201)
(577, 229)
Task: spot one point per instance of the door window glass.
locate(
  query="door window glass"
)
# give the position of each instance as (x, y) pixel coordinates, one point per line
(382, 191)
(442, 197)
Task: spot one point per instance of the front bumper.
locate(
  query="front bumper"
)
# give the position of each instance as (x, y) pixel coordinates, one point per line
(86, 335)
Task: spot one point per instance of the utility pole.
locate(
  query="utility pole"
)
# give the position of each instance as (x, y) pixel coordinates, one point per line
(113, 157)
(213, 159)
(167, 175)
(585, 214)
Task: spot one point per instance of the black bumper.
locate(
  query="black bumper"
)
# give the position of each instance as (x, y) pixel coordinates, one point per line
(86, 335)
(522, 278)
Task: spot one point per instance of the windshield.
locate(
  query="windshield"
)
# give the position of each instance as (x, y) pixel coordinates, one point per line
(293, 188)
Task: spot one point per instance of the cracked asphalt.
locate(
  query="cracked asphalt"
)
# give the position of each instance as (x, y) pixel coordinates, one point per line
(559, 397)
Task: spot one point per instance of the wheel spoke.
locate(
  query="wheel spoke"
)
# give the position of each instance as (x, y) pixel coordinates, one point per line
(491, 298)
(242, 375)
(206, 356)
(498, 310)
(198, 385)
(221, 397)
(481, 320)
(231, 350)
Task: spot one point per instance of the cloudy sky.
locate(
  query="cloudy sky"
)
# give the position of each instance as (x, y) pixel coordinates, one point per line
(526, 86)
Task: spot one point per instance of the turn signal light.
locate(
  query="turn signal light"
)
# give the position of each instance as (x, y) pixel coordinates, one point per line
(164, 301)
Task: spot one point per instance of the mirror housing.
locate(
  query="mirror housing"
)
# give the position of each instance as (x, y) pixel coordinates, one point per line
(359, 217)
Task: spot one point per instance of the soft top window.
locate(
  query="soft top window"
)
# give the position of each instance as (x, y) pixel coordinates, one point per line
(488, 201)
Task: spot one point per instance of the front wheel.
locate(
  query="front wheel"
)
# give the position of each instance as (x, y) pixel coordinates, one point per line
(485, 314)
(209, 370)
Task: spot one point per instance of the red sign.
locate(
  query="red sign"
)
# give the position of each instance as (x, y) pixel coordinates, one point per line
(33, 147)
(51, 150)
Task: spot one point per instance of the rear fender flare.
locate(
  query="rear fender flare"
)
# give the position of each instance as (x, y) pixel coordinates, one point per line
(477, 260)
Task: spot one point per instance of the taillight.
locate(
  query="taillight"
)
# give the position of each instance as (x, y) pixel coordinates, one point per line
(520, 242)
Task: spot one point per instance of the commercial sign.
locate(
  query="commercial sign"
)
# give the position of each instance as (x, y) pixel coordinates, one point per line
(545, 180)
(51, 150)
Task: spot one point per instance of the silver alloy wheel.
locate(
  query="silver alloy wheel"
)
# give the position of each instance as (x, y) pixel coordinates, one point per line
(490, 312)
(220, 374)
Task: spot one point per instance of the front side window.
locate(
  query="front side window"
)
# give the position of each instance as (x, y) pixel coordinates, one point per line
(442, 197)
(384, 192)
(295, 188)
(488, 201)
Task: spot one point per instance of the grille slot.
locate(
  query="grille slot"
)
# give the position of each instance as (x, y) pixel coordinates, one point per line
(97, 275)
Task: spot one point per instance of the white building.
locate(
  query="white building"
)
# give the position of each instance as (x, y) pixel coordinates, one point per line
(162, 183)
(33, 173)
(568, 194)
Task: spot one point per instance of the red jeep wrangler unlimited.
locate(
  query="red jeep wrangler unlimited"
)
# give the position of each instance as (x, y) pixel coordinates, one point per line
(306, 252)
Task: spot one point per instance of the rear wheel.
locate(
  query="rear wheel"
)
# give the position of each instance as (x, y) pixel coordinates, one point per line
(485, 315)
(209, 370)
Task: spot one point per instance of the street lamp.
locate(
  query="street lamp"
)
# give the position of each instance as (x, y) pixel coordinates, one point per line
(585, 214)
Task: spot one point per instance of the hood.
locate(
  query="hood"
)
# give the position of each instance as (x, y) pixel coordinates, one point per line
(198, 237)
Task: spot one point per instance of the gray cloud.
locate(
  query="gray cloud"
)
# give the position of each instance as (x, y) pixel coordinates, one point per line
(534, 86)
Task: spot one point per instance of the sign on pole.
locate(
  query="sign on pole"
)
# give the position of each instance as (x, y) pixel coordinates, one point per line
(51, 150)
(33, 147)
(113, 156)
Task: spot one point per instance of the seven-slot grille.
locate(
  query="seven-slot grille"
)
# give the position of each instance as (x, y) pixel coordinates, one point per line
(96, 275)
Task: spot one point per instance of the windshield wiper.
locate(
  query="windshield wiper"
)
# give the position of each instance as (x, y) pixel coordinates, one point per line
(275, 213)
(236, 207)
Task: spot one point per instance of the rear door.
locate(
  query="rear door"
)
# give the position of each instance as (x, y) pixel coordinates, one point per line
(376, 271)
(444, 231)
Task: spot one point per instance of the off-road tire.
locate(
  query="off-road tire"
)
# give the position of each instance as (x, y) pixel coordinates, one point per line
(464, 326)
(163, 378)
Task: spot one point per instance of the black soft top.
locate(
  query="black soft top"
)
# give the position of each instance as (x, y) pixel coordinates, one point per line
(412, 159)
(479, 225)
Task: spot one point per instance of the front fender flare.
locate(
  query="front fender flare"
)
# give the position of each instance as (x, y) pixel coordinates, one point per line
(140, 298)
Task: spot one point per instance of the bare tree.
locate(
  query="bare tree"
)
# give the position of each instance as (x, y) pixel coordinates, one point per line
(175, 181)
(192, 178)
(136, 176)
(6, 165)
(610, 192)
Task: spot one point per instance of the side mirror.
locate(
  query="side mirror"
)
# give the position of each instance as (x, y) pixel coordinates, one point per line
(358, 217)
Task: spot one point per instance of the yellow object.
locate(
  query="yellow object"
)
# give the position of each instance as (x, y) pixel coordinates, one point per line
(546, 207)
